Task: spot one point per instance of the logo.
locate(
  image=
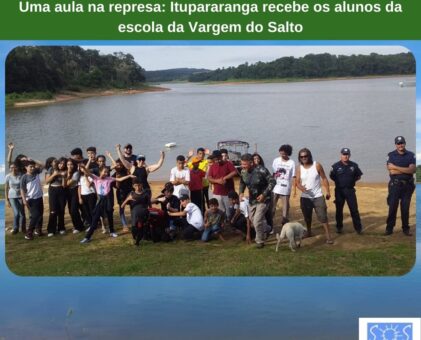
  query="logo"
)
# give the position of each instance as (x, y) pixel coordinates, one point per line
(389, 329)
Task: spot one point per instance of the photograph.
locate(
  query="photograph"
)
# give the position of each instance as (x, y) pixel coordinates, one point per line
(210, 160)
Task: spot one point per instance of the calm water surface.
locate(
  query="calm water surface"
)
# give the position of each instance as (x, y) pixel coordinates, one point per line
(205, 308)
(363, 114)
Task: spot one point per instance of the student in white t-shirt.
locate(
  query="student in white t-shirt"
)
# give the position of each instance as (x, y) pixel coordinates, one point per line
(284, 172)
(192, 225)
(180, 177)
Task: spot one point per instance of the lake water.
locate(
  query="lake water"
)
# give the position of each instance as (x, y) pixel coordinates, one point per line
(205, 308)
(362, 114)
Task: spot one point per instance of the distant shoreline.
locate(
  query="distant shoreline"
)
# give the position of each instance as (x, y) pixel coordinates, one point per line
(294, 80)
(66, 96)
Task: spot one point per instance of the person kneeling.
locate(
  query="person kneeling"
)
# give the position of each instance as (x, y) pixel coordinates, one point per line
(214, 221)
(193, 224)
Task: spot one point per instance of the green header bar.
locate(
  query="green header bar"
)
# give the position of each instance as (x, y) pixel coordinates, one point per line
(202, 19)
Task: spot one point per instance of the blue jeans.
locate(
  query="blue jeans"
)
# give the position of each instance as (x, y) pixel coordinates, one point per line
(207, 233)
(19, 218)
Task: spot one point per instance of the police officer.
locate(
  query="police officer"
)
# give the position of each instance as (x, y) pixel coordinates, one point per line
(401, 166)
(345, 173)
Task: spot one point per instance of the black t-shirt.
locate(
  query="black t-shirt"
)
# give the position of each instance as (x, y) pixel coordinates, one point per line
(172, 200)
(142, 199)
(142, 176)
(126, 185)
(131, 159)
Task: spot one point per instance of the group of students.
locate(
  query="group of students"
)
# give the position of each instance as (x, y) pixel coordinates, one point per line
(197, 202)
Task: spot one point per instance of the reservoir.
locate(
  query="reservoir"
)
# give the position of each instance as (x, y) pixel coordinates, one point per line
(364, 115)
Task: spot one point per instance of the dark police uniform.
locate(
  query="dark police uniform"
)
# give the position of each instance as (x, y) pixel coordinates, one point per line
(345, 176)
(401, 188)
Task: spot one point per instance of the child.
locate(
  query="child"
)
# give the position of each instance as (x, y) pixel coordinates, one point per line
(239, 216)
(196, 183)
(14, 198)
(214, 221)
(139, 201)
(180, 177)
(31, 192)
(56, 179)
(192, 226)
(103, 205)
(87, 195)
(72, 180)
(123, 190)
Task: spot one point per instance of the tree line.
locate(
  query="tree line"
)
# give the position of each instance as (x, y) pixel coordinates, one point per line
(315, 66)
(55, 68)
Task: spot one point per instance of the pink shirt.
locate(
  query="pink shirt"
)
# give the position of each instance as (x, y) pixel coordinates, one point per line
(102, 185)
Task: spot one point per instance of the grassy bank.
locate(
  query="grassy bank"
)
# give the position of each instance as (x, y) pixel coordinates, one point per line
(46, 98)
(370, 254)
(63, 256)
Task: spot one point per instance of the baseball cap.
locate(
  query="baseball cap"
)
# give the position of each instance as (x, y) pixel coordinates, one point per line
(400, 140)
(184, 197)
(345, 151)
(128, 146)
(140, 157)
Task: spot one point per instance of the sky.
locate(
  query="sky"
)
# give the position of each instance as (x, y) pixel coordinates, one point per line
(212, 57)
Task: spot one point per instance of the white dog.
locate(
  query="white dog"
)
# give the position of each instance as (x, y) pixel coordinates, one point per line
(293, 231)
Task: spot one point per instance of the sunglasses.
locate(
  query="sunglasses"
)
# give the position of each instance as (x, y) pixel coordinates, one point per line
(400, 143)
(303, 156)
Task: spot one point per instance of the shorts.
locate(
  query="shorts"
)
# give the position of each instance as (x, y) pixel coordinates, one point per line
(319, 206)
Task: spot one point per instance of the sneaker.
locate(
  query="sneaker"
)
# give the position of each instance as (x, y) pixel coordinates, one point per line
(407, 233)
(125, 229)
(87, 230)
(359, 231)
(62, 232)
(388, 232)
(260, 245)
(13, 231)
(329, 241)
(29, 237)
(339, 230)
(113, 235)
(85, 240)
(104, 231)
(50, 235)
(75, 231)
(39, 233)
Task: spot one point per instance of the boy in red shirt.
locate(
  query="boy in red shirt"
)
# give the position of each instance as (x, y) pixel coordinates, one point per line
(196, 183)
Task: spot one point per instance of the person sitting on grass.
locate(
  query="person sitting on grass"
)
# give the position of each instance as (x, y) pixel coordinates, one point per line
(239, 216)
(214, 221)
(192, 226)
(139, 201)
(103, 205)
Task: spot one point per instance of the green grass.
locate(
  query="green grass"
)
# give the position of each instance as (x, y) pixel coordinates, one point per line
(64, 256)
(12, 98)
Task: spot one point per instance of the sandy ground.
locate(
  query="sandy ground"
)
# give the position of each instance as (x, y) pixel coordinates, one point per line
(372, 207)
(69, 95)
